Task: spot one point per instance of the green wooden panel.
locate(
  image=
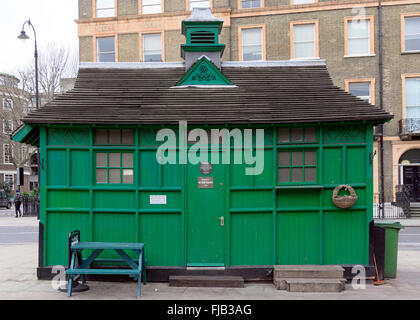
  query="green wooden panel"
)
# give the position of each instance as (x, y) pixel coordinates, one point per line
(149, 173)
(356, 165)
(68, 136)
(298, 238)
(171, 175)
(345, 134)
(332, 166)
(238, 178)
(266, 177)
(57, 167)
(251, 240)
(66, 199)
(251, 199)
(114, 199)
(173, 200)
(147, 137)
(287, 199)
(163, 238)
(58, 227)
(80, 174)
(345, 237)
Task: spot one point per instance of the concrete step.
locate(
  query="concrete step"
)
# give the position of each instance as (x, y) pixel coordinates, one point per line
(206, 281)
(315, 285)
(283, 284)
(308, 272)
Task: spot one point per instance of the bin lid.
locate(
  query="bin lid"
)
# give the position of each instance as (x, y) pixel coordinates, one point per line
(389, 224)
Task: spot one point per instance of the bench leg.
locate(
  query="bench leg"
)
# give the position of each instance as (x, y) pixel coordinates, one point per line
(139, 287)
(69, 286)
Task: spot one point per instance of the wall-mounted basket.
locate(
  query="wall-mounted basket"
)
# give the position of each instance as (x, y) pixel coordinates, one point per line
(346, 201)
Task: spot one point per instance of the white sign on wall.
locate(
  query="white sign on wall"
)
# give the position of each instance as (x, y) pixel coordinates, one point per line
(157, 199)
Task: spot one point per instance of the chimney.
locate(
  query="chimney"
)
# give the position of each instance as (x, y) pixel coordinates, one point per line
(202, 31)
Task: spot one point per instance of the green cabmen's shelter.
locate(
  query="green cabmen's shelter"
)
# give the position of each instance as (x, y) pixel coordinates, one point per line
(109, 170)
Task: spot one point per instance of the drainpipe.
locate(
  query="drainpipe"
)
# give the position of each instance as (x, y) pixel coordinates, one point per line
(381, 106)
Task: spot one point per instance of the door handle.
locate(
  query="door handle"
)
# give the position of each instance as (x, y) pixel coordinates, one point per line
(222, 221)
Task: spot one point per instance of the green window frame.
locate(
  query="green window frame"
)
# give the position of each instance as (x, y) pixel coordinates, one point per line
(114, 137)
(112, 167)
(297, 156)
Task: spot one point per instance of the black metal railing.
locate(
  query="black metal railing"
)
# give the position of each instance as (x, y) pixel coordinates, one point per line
(30, 206)
(402, 197)
(391, 211)
(409, 127)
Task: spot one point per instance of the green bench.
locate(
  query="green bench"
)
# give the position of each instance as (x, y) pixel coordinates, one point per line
(136, 270)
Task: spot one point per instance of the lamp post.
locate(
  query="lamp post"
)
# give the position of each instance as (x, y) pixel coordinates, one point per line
(23, 36)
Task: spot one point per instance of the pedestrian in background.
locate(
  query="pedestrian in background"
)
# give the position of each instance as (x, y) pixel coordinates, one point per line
(18, 201)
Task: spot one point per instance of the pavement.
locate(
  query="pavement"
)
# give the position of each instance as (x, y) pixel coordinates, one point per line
(19, 259)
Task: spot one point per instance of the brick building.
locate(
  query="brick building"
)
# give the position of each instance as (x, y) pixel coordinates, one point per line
(344, 32)
(14, 104)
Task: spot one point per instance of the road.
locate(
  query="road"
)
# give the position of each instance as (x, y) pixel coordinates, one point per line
(21, 232)
(409, 239)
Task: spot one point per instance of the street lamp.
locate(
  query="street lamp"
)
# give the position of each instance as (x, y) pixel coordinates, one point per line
(24, 37)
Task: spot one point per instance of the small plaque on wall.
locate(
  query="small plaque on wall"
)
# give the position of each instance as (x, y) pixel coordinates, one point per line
(205, 182)
(157, 199)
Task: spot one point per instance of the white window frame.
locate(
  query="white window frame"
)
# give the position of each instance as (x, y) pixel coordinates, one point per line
(143, 36)
(252, 1)
(10, 122)
(243, 32)
(192, 2)
(7, 104)
(368, 36)
(104, 9)
(147, 7)
(314, 40)
(303, 1)
(417, 80)
(366, 98)
(10, 155)
(405, 33)
(12, 180)
(107, 52)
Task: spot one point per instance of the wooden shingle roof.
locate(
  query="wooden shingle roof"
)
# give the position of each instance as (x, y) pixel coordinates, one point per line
(267, 92)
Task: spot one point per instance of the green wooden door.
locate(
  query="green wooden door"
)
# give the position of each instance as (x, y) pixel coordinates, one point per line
(205, 203)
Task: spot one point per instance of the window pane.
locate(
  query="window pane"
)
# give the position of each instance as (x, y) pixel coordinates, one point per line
(359, 46)
(106, 49)
(297, 135)
(302, 1)
(101, 160)
(412, 89)
(199, 4)
(252, 44)
(310, 158)
(297, 174)
(151, 6)
(360, 89)
(283, 174)
(115, 160)
(101, 176)
(105, 8)
(358, 29)
(152, 48)
(115, 136)
(304, 50)
(310, 135)
(310, 174)
(127, 137)
(412, 33)
(284, 158)
(101, 136)
(250, 4)
(127, 160)
(297, 158)
(283, 135)
(127, 176)
(251, 53)
(114, 176)
(304, 41)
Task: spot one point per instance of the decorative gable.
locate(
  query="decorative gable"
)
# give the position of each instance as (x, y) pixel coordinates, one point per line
(204, 72)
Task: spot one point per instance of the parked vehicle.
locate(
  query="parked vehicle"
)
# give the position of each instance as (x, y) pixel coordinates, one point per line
(5, 201)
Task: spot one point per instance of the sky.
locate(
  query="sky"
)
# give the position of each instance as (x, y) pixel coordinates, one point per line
(53, 21)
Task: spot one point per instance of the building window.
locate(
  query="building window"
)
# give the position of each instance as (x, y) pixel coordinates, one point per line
(7, 154)
(151, 6)
(9, 179)
(199, 4)
(152, 47)
(363, 89)
(7, 126)
(252, 44)
(105, 8)
(247, 4)
(359, 36)
(412, 98)
(302, 1)
(114, 137)
(305, 40)
(114, 168)
(7, 104)
(106, 49)
(411, 34)
(297, 165)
